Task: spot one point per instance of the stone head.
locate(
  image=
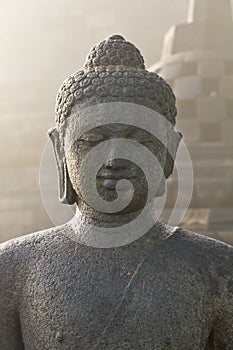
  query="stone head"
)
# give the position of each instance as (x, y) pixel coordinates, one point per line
(114, 72)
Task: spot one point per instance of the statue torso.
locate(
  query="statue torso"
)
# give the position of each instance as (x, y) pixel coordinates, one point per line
(146, 295)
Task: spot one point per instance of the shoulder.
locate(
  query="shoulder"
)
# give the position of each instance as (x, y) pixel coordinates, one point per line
(202, 251)
(15, 246)
(201, 242)
(17, 254)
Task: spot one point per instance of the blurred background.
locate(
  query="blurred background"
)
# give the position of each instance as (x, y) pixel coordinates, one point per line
(189, 43)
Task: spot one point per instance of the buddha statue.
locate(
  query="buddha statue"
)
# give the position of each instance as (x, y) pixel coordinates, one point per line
(163, 288)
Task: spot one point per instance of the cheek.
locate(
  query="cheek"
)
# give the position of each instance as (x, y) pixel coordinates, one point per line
(75, 156)
(160, 154)
(74, 159)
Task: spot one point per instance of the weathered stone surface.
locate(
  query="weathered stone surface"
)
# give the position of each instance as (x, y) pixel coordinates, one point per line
(77, 297)
(169, 289)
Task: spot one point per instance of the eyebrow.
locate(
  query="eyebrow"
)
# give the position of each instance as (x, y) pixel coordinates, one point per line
(127, 128)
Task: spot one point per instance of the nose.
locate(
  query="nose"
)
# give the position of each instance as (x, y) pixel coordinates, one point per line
(114, 162)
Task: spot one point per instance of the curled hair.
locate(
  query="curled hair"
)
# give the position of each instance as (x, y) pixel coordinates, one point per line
(115, 71)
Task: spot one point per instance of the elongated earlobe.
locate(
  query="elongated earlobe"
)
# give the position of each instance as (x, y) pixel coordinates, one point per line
(67, 194)
(173, 145)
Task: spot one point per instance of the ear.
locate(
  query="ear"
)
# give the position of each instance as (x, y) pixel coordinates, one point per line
(67, 194)
(173, 144)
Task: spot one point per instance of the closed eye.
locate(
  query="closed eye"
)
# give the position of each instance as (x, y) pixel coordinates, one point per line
(91, 139)
(147, 142)
(143, 142)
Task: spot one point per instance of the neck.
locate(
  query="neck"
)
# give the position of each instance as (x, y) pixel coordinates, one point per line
(104, 219)
(100, 230)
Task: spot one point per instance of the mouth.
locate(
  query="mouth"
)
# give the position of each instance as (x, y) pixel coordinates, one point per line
(109, 182)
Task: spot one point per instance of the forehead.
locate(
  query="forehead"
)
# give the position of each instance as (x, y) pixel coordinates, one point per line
(117, 128)
(115, 120)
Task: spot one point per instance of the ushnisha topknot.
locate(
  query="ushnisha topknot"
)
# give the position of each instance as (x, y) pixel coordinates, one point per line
(115, 71)
(115, 51)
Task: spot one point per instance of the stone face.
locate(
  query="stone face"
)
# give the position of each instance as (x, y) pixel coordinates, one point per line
(170, 288)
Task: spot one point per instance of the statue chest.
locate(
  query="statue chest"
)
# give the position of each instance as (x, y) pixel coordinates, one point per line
(113, 303)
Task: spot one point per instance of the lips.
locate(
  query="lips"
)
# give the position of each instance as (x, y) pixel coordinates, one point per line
(110, 184)
(114, 176)
(111, 181)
